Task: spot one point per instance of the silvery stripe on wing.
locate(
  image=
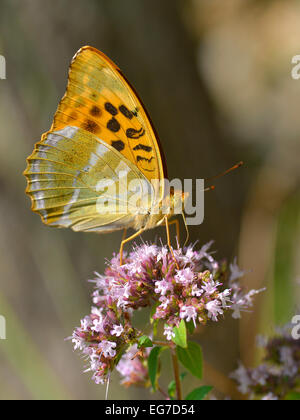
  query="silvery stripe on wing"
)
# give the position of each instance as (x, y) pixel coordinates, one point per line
(54, 138)
(68, 131)
(39, 195)
(35, 166)
(101, 150)
(41, 153)
(35, 184)
(64, 220)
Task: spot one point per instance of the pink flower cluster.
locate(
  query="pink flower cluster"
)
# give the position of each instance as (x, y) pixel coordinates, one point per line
(279, 374)
(133, 367)
(103, 335)
(195, 288)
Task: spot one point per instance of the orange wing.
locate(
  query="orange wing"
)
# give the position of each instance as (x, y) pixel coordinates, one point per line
(99, 99)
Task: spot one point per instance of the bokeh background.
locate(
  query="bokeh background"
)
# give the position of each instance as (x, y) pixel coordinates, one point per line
(216, 78)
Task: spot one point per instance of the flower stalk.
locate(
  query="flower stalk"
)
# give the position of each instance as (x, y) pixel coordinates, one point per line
(176, 373)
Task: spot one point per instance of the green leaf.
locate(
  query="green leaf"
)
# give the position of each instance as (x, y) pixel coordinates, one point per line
(199, 394)
(190, 327)
(293, 396)
(172, 385)
(153, 360)
(145, 341)
(191, 358)
(180, 335)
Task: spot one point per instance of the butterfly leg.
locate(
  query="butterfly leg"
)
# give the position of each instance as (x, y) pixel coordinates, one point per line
(169, 242)
(124, 235)
(125, 241)
(176, 223)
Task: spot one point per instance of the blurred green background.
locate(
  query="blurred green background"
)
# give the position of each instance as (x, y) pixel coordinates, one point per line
(216, 78)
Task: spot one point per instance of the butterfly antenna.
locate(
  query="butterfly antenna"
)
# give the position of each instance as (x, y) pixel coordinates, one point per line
(212, 187)
(237, 166)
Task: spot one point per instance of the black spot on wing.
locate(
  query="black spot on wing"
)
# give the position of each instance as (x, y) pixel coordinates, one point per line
(95, 111)
(90, 126)
(113, 125)
(125, 111)
(111, 109)
(148, 170)
(118, 145)
(131, 133)
(141, 158)
(143, 147)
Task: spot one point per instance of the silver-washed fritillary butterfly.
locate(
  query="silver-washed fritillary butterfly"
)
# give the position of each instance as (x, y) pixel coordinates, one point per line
(101, 134)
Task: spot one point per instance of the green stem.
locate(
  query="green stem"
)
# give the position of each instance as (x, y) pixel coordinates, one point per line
(162, 343)
(176, 374)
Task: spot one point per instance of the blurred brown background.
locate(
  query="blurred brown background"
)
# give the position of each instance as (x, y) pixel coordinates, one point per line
(216, 78)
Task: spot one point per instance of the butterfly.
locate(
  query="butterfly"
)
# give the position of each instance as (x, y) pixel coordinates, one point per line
(100, 142)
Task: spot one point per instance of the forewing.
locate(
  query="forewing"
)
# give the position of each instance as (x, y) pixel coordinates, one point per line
(100, 100)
